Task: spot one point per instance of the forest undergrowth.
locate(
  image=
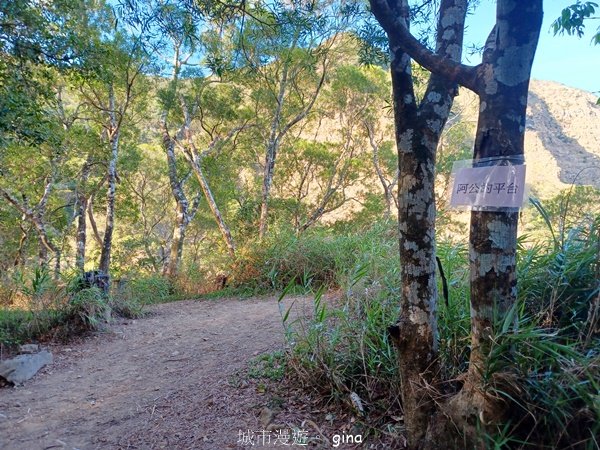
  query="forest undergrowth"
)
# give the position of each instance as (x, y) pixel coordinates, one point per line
(544, 365)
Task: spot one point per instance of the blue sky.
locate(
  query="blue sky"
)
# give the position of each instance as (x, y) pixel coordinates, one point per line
(566, 59)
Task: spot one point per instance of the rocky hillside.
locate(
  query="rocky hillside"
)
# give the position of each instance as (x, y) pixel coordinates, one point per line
(562, 140)
(563, 137)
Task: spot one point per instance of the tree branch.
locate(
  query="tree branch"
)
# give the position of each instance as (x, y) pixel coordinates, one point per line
(402, 39)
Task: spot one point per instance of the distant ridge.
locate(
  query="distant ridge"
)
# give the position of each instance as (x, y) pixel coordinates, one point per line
(562, 138)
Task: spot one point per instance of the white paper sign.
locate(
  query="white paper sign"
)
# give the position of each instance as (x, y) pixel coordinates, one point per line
(492, 186)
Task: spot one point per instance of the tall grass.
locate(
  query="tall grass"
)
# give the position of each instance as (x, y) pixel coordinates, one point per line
(313, 259)
(544, 362)
(39, 307)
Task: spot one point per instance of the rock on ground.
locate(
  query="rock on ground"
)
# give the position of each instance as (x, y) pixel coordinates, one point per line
(21, 368)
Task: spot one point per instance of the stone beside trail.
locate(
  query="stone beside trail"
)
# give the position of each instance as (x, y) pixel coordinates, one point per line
(21, 368)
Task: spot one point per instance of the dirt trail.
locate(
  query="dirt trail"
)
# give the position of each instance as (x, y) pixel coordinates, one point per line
(163, 381)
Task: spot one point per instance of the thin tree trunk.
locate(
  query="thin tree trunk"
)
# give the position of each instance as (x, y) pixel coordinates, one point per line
(271, 156)
(334, 184)
(276, 136)
(183, 213)
(45, 244)
(90, 212)
(19, 259)
(388, 187)
(36, 217)
(195, 160)
(82, 204)
(172, 267)
(223, 228)
(184, 216)
(42, 252)
(173, 260)
(112, 183)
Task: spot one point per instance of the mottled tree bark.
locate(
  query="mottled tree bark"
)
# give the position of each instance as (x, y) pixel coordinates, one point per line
(114, 135)
(418, 130)
(504, 84)
(171, 267)
(82, 203)
(184, 211)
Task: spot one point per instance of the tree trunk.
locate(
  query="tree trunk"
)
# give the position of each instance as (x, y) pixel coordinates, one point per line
(182, 217)
(501, 81)
(213, 205)
(112, 184)
(418, 130)
(277, 134)
(172, 266)
(82, 203)
(266, 188)
(388, 187)
(504, 83)
(45, 244)
(271, 155)
(36, 217)
(335, 183)
(500, 133)
(176, 251)
(19, 258)
(43, 252)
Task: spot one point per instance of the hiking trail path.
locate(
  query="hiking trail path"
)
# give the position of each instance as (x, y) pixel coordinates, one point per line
(163, 381)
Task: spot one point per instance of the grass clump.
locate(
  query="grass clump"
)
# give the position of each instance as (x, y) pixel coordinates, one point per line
(130, 296)
(89, 307)
(271, 366)
(554, 351)
(307, 261)
(343, 351)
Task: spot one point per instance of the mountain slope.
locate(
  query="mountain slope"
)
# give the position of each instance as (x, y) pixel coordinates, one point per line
(562, 141)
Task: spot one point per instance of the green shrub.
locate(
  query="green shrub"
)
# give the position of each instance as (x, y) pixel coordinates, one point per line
(14, 326)
(129, 296)
(550, 384)
(90, 307)
(307, 261)
(45, 307)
